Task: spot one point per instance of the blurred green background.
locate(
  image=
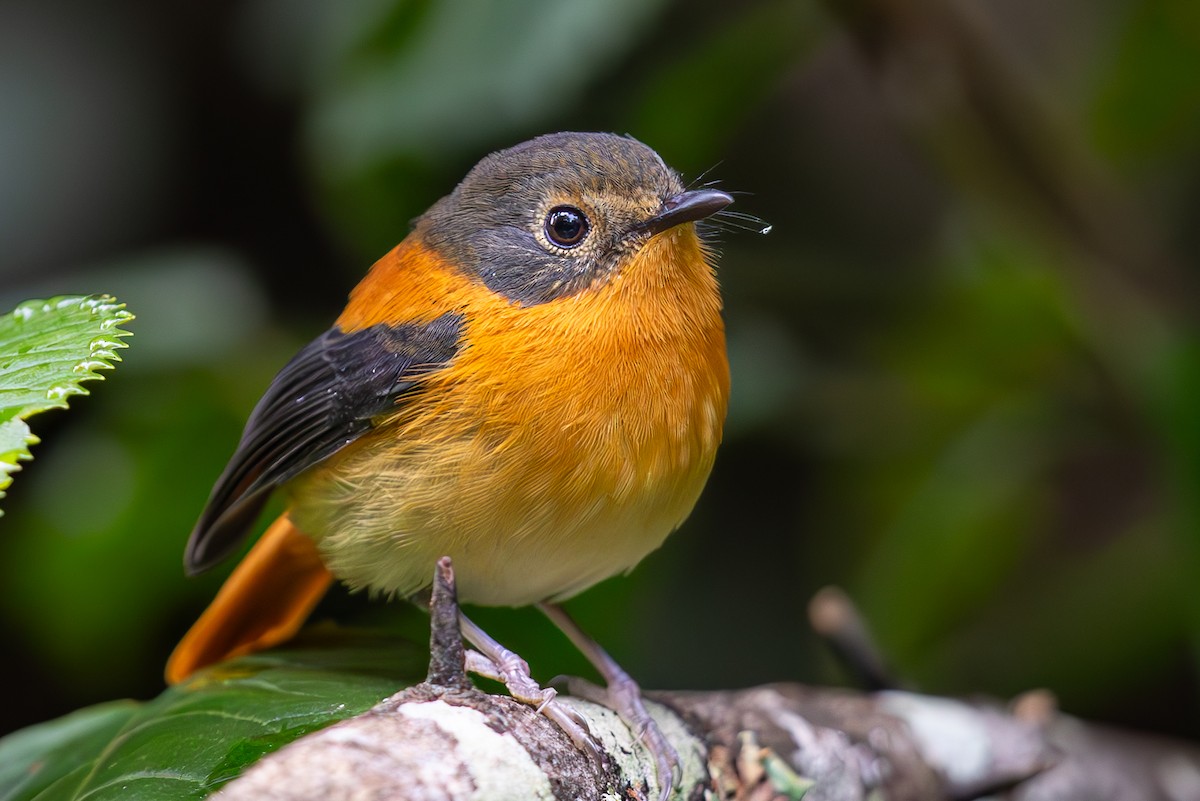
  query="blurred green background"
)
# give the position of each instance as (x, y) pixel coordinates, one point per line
(966, 370)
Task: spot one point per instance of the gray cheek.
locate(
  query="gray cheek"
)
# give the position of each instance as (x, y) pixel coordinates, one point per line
(511, 262)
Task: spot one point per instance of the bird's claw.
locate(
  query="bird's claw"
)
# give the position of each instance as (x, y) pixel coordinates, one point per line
(625, 698)
(622, 696)
(510, 670)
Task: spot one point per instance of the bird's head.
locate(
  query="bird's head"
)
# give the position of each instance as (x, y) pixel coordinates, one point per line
(562, 213)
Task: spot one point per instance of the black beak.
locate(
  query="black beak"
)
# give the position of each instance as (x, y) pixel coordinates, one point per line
(687, 207)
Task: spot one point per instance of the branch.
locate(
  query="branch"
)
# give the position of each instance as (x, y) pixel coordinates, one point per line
(445, 740)
(430, 742)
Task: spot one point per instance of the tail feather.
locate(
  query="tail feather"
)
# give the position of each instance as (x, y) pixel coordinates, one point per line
(263, 602)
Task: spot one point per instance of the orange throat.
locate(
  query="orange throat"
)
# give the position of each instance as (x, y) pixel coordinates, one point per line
(566, 441)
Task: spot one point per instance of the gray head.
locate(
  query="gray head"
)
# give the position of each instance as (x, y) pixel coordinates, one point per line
(552, 216)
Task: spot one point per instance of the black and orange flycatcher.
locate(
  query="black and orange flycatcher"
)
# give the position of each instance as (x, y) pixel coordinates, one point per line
(533, 383)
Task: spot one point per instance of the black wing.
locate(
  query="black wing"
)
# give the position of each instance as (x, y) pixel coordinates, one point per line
(321, 401)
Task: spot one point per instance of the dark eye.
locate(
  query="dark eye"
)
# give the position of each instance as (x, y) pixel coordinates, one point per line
(566, 226)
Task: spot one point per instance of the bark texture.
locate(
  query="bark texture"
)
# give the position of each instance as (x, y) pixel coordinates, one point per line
(772, 742)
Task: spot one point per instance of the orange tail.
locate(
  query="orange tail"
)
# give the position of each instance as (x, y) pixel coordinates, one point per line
(263, 602)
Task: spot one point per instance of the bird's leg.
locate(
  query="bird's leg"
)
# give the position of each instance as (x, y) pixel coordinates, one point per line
(624, 697)
(494, 661)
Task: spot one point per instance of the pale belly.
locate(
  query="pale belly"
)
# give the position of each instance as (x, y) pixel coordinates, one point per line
(538, 514)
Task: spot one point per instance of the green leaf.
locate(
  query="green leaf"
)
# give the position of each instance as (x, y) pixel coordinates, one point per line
(35, 758)
(203, 733)
(47, 349)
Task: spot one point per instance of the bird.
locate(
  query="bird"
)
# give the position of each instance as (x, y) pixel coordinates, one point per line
(534, 383)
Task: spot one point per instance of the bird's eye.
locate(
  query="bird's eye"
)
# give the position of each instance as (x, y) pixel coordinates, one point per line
(566, 226)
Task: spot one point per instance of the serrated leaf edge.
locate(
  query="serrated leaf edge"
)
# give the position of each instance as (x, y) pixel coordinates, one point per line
(101, 348)
(101, 353)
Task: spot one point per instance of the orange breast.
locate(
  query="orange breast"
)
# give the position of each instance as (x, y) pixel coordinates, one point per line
(561, 446)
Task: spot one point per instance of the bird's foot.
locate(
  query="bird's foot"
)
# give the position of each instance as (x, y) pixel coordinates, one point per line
(514, 675)
(623, 696)
(494, 661)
